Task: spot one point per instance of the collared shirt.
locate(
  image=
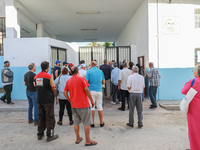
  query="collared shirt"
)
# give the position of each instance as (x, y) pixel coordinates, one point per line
(106, 71)
(136, 83)
(123, 76)
(115, 75)
(82, 73)
(95, 76)
(155, 77)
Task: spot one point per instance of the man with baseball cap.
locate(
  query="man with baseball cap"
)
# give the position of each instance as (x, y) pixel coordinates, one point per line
(7, 80)
(56, 69)
(82, 71)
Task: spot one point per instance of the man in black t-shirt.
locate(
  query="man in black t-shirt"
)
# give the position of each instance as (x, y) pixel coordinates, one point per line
(56, 69)
(31, 94)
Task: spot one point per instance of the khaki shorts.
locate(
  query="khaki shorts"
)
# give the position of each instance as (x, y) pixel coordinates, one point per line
(82, 115)
(97, 98)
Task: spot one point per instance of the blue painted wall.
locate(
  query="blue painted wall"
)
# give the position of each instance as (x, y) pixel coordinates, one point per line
(19, 89)
(172, 81)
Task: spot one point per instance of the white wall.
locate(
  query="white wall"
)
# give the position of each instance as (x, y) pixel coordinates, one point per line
(135, 34)
(2, 8)
(72, 53)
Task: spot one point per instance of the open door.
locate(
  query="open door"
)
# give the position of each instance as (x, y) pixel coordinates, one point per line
(141, 61)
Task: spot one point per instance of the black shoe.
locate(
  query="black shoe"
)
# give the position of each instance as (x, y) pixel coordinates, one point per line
(3, 100)
(59, 123)
(140, 126)
(101, 125)
(51, 138)
(40, 136)
(121, 109)
(92, 125)
(71, 122)
(152, 107)
(10, 103)
(130, 125)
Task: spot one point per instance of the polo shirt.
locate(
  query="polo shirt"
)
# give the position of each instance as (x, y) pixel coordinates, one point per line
(136, 83)
(75, 85)
(95, 77)
(123, 76)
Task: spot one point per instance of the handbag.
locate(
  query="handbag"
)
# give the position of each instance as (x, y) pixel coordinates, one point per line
(56, 90)
(188, 98)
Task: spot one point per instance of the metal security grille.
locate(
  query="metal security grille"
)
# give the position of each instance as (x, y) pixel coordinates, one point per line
(118, 54)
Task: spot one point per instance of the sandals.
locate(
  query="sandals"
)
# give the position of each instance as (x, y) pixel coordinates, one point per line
(91, 144)
(79, 141)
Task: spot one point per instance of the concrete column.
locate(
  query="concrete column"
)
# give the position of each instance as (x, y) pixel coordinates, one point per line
(12, 21)
(40, 30)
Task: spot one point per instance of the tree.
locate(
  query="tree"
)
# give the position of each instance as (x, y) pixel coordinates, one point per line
(93, 44)
(109, 44)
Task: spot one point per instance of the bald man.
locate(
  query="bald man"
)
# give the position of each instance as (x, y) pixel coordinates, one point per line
(154, 79)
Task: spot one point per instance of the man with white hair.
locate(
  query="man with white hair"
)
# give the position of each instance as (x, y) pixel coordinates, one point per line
(82, 71)
(135, 86)
(154, 78)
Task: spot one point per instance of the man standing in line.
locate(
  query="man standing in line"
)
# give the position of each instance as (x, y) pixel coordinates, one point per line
(95, 78)
(31, 94)
(154, 78)
(114, 80)
(56, 69)
(45, 98)
(82, 71)
(7, 80)
(107, 73)
(135, 86)
(79, 93)
(122, 84)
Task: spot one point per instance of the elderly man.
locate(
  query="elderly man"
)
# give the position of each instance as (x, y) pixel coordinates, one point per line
(114, 80)
(154, 78)
(95, 78)
(122, 84)
(107, 73)
(135, 86)
(82, 71)
(79, 93)
(31, 94)
(7, 80)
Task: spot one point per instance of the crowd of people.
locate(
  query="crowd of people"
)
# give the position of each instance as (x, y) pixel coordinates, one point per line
(81, 90)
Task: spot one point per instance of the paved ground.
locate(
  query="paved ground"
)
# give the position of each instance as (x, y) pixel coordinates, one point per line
(163, 130)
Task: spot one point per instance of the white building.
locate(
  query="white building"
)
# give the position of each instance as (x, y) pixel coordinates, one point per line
(156, 30)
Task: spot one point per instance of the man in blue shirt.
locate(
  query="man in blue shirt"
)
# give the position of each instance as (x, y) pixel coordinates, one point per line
(95, 78)
(107, 73)
(114, 80)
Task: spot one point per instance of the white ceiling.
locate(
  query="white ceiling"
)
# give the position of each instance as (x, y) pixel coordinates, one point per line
(60, 17)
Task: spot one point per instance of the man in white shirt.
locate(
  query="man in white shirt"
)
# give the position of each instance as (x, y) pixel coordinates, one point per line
(135, 86)
(122, 84)
(82, 71)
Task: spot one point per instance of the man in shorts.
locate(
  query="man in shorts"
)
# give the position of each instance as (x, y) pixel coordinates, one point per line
(79, 93)
(95, 78)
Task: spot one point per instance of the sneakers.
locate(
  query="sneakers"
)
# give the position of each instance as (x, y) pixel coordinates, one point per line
(71, 122)
(59, 123)
(51, 138)
(30, 121)
(113, 103)
(130, 125)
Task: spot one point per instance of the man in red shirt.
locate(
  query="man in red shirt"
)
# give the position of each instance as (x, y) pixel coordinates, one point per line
(77, 87)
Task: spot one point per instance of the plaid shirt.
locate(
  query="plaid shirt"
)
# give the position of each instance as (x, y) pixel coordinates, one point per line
(155, 77)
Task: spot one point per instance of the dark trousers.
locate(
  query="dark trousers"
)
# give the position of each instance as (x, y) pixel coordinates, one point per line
(114, 89)
(65, 103)
(152, 94)
(46, 118)
(125, 94)
(7, 95)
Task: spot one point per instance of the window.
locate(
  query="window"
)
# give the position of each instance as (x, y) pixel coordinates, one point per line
(2, 33)
(57, 54)
(197, 56)
(197, 18)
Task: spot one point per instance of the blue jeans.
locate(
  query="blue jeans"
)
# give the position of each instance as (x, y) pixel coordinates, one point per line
(114, 89)
(152, 94)
(32, 101)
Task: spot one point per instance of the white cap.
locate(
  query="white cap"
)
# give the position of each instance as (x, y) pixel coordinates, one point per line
(83, 65)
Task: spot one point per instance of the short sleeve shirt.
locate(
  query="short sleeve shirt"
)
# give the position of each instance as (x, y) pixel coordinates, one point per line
(123, 76)
(95, 76)
(28, 79)
(155, 77)
(82, 73)
(75, 85)
(136, 83)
